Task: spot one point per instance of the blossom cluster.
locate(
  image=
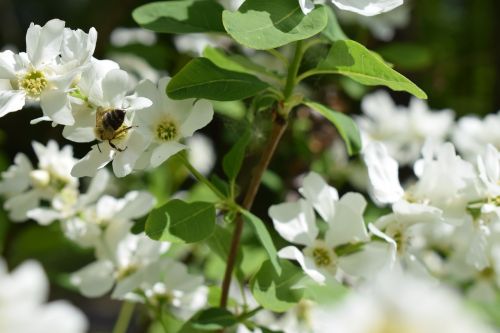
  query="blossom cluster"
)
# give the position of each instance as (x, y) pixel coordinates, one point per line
(404, 129)
(133, 265)
(96, 100)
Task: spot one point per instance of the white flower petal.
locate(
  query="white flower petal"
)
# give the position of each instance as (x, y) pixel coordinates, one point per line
(133, 103)
(383, 173)
(7, 65)
(291, 252)
(94, 280)
(114, 87)
(411, 213)
(11, 100)
(55, 104)
(199, 117)
(43, 216)
(321, 195)
(306, 5)
(372, 259)
(31, 282)
(165, 151)
(137, 204)
(368, 7)
(93, 161)
(19, 205)
(78, 46)
(60, 317)
(295, 222)
(124, 161)
(96, 187)
(43, 44)
(348, 226)
(15, 180)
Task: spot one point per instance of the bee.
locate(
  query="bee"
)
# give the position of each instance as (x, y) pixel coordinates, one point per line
(109, 126)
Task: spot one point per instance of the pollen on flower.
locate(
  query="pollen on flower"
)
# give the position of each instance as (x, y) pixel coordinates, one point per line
(125, 271)
(321, 257)
(167, 130)
(33, 83)
(401, 238)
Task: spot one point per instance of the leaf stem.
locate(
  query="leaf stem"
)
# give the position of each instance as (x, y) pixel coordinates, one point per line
(293, 70)
(308, 73)
(278, 55)
(200, 177)
(126, 312)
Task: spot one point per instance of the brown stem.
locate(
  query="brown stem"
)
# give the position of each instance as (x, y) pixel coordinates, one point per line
(279, 127)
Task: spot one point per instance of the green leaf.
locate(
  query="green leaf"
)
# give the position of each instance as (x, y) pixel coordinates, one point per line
(265, 238)
(234, 158)
(201, 78)
(349, 58)
(346, 127)
(220, 243)
(330, 292)
(181, 222)
(235, 62)
(139, 225)
(265, 24)
(209, 320)
(177, 17)
(213, 319)
(276, 292)
(333, 31)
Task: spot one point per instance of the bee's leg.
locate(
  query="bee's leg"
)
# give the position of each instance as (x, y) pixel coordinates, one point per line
(115, 147)
(98, 147)
(123, 130)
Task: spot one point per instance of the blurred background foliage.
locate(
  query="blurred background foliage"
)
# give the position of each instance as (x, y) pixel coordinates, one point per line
(450, 48)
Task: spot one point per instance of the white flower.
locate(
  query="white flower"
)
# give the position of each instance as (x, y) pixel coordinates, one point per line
(445, 180)
(166, 122)
(471, 134)
(403, 130)
(231, 4)
(25, 187)
(397, 303)
(385, 188)
(120, 258)
(368, 7)
(107, 95)
(22, 308)
(84, 111)
(54, 57)
(68, 205)
(125, 36)
(89, 222)
(362, 7)
(196, 43)
(382, 26)
(323, 257)
(166, 282)
(201, 153)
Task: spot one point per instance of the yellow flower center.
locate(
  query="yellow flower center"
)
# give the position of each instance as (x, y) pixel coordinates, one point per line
(321, 257)
(167, 130)
(33, 83)
(126, 271)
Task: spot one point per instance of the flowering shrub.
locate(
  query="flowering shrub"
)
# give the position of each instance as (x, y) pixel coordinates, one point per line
(193, 255)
